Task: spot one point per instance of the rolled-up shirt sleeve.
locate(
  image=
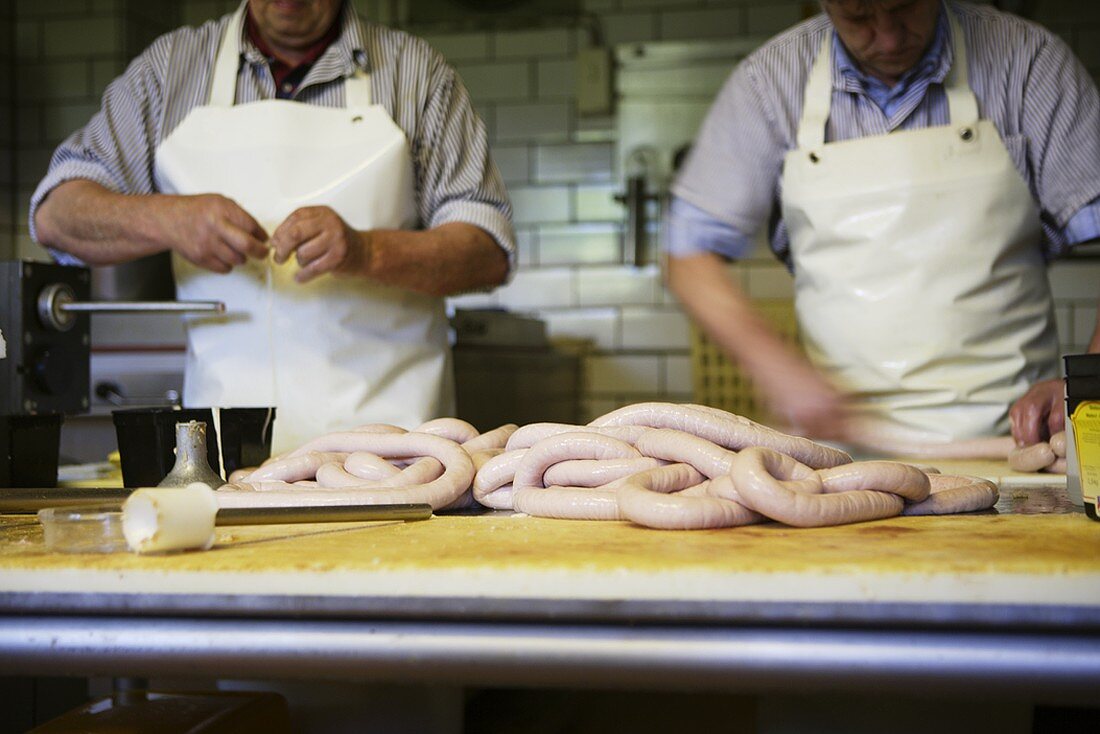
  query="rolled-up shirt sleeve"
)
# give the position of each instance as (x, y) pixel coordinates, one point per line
(1084, 226)
(692, 231)
(116, 148)
(459, 181)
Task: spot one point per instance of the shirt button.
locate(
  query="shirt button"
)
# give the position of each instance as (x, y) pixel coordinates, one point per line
(288, 87)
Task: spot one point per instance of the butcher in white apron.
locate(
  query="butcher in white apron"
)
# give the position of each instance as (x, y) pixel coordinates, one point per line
(331, 353)
(920, 285)
(917, 236)
(338, 319)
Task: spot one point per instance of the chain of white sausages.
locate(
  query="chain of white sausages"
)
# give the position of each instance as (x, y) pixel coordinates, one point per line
(656, 464)
(776, 485)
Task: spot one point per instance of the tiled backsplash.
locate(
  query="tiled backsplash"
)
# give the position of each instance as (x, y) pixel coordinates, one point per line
(560, 167)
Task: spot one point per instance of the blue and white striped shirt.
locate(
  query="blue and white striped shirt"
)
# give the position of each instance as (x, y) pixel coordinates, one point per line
(1026, 80)
(455, 178)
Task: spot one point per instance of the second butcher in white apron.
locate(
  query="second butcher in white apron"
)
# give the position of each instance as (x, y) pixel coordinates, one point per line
(920, 286)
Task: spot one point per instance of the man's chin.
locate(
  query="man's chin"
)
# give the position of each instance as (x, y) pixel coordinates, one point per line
(887, 72)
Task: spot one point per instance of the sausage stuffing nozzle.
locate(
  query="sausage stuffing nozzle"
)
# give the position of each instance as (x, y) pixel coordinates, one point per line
(167, 519)
(162, 519)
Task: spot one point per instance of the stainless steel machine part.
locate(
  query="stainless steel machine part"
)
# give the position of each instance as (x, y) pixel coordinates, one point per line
(57, 306)
(191, 464)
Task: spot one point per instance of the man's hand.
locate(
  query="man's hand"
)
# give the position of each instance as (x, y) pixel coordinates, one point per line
(1039, 414)
(322, 242)
(211, 231)
(798, 395)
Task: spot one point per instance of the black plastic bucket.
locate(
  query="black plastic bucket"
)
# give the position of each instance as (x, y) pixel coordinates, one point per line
(147, 440)
(28, 450)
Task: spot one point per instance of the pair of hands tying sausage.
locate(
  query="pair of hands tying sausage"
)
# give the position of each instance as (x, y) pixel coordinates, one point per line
(102, 227)
(215, 233)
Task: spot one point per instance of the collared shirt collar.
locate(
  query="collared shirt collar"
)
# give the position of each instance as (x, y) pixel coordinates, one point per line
(932, 67)
(343, 57)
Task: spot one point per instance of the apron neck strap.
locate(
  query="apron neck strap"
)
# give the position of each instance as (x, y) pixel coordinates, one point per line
(818, 98)
(223, 86)
(357, 89)
(961, 103)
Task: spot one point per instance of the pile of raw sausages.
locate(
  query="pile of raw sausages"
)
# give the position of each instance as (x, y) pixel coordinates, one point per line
(660, 465)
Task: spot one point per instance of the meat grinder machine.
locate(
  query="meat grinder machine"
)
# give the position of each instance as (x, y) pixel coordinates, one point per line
(45, 351)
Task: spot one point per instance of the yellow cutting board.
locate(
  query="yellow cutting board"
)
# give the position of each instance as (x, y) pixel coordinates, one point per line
(1001, 559)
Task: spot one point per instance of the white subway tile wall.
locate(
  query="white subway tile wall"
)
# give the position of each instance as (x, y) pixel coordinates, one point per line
(65, 54)
(561, 169)
(599, 326)
(650, 329)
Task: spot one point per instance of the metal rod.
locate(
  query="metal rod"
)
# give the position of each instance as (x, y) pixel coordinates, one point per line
(24, 500)
(20, 500)
(1065, 666)
(333, 513)
(58, 307)
(140, 306)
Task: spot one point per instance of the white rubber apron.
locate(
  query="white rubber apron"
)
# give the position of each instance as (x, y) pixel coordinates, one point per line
(920, 286)
(336, 352)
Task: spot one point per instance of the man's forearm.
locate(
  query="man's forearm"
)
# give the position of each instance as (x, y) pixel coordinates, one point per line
(724, 312)
(99, 226)
(448, 259)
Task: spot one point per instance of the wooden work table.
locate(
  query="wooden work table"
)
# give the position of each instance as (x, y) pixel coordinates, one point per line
(1005, 600)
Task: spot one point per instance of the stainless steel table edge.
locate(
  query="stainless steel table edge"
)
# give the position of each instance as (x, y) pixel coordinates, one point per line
(991, 617)
(1044, 667)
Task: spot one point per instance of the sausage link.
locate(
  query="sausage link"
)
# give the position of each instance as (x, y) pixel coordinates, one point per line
(595, 472)
(568, 446)
(294, 468)
(455, 429)
(532, 433)
(686, 448)
(777, 486)
(725, 429)
(664, 499)
(494, 439)
(953, 494)
(1031, 458)
(567, 503)
(494, 475)
(904, 480)
(1058, 444)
